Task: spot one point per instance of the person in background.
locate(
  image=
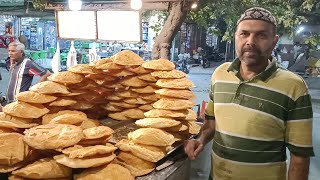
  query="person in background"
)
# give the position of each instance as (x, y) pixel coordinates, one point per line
(22, 71)
(117, 47)
(23, 39)
(256, 110)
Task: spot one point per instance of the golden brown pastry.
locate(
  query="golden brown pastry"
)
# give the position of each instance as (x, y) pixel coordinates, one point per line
(13, 149)
(146, 152)
(127, 58)
(180, 94)
(66, 77)
(53, 136)
(151, 136)
(25, 110)
(173, 74)
(137, 166)
(49, 87)
(34, 97)
(173, 104)
(44, 169)
(175, 83)
(97, 132)
(160, 65)
(108, 172)
(81, 152)
(87, 162)
(166, 113)
(157, 122)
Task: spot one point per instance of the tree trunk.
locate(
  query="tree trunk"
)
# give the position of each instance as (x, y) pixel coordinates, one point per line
(162, 43)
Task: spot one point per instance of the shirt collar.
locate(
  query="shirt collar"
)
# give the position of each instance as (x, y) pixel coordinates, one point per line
(19, 61)
(264, 75)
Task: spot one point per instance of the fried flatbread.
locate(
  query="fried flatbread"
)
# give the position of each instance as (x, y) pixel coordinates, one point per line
(83, 69)
(13, 149)
(92, 161)
(147, 77)
(7, 121)
(154, 113)
(92, 142)
(34, 97)
(44, 169)
(53, 136)
(137, 166)
(192, 115)
(133, 113)
(148, 153)
(181, 94)
(175, 83)
(110, 66)
(135, 101)
(48, 117)
(122, 104)
(127, 58)
(66, 77)
(118, 116)
(100, 62)
(49, 87)
(193, 127)
(109, 172)
(150, 97)
(81, 105)
(63, 101)
(81, 152)
(127, 94)
(160, 65)
(25, 110)
(147, 89)
(157, 122)
(173, 74)
(139, 70)
(97, 132)
(151, 136)
(133, 82)
(178, 128)
(68, 119)
(173, 104)
(146, 107)
(89, 123)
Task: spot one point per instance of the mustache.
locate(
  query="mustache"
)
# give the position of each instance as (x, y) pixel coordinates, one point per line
(250, 49)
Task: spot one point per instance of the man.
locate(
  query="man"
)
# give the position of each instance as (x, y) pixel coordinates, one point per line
(256, 110)
(22, 71)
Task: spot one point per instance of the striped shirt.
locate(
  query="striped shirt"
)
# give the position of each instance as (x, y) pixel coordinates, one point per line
(21, 76)
(256, 120)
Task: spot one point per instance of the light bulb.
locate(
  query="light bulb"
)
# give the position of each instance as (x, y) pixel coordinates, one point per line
(194, 5)
(136, 4)
(75, 5)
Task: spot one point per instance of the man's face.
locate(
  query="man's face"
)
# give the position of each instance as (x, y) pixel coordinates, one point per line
(255, 40)
(14, 54)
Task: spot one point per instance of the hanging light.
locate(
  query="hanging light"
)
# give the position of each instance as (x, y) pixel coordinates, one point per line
(194, 5)
(75, 5)
(136, 4)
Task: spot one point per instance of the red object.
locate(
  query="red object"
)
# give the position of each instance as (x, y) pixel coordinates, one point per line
(5, 41)
(203, 108)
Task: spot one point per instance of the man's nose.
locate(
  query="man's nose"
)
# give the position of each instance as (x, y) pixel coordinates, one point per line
(251, 40)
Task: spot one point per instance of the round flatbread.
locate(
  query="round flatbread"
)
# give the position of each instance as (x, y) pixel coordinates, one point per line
(127, 58)
(154, 113)
(25, 110)
(175, 93)
(175, 83)
(34, 97)
(66, 77)
(81, 152)
(97, 132)
(53, 136)
(173, 104)
(151, 136)
(157, 122)
(174, 74)
(160, 65)
(49, 87)
(92, 161)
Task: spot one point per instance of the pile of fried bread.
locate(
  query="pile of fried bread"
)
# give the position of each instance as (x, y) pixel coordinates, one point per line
(52, 129)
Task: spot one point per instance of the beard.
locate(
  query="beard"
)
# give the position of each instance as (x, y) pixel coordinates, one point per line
(252, 56)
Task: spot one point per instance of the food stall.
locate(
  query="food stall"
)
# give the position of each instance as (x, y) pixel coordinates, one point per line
(118, 116)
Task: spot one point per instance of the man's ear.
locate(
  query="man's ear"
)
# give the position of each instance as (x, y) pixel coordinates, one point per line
(275, 40)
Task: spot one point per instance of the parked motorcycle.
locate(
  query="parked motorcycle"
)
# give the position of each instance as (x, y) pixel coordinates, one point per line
(182, 64)
(215, 56)
(204, 62)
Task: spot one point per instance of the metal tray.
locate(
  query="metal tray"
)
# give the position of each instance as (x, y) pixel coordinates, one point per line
(122, 128)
